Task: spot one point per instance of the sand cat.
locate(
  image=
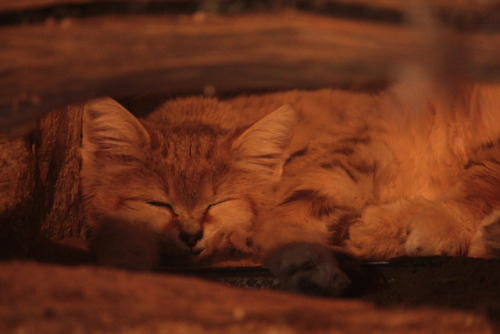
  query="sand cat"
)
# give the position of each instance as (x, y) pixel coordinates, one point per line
(289, 177)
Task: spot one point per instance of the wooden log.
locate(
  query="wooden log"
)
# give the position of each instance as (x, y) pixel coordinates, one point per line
(398, 5)
(57, 148)
(19, 210)
(39, 185)
(46, 66)
(20, 5)
(39, 298)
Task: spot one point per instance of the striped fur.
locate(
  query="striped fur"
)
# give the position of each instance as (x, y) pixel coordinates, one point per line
(369, 174)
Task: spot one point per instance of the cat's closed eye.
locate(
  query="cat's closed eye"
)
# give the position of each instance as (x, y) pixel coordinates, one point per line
(217, 203)
(164, 205)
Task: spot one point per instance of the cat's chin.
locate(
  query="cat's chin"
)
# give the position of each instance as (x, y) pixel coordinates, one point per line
(186, 257)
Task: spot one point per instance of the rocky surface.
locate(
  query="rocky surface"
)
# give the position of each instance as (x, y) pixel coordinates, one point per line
(45, 298)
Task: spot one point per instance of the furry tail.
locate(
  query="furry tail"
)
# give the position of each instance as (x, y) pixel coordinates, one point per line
(439, 61)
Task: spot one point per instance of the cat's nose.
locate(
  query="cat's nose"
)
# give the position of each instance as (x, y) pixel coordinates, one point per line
(190, 239)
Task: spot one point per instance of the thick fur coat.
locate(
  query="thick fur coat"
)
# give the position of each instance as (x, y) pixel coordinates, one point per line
(375, 175)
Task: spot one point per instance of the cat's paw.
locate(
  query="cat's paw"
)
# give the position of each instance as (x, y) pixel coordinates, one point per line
(437, 232)
(307, 268)
(223, 245)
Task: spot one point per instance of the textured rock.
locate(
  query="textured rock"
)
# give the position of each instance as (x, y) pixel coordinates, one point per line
(38, 298)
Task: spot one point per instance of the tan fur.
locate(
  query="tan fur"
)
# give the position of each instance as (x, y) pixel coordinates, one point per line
(188, 184)
(370, 174)
(411, 181)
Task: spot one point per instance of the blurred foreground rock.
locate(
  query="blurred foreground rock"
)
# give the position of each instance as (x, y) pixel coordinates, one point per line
(40, 298)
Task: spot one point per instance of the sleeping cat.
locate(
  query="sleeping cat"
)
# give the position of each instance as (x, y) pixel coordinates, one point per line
(290, 178)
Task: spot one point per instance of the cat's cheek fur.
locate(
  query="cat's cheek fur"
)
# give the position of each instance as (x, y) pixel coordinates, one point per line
(228, 231)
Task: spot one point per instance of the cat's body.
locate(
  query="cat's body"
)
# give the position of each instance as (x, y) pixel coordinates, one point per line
(388, 178)
(373, 175)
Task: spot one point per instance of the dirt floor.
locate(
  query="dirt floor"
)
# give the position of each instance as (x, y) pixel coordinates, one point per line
(407, 295)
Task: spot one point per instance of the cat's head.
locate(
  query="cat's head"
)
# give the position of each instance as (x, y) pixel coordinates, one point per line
(197, 186)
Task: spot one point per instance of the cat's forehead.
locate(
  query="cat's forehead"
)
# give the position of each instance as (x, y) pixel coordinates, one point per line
(192, 158)
(189, 141)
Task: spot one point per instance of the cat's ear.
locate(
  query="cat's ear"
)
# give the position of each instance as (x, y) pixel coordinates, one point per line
(109, 131)
(263, 146)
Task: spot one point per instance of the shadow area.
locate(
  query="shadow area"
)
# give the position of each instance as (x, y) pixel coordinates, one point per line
(466, 284)
(444, 282)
